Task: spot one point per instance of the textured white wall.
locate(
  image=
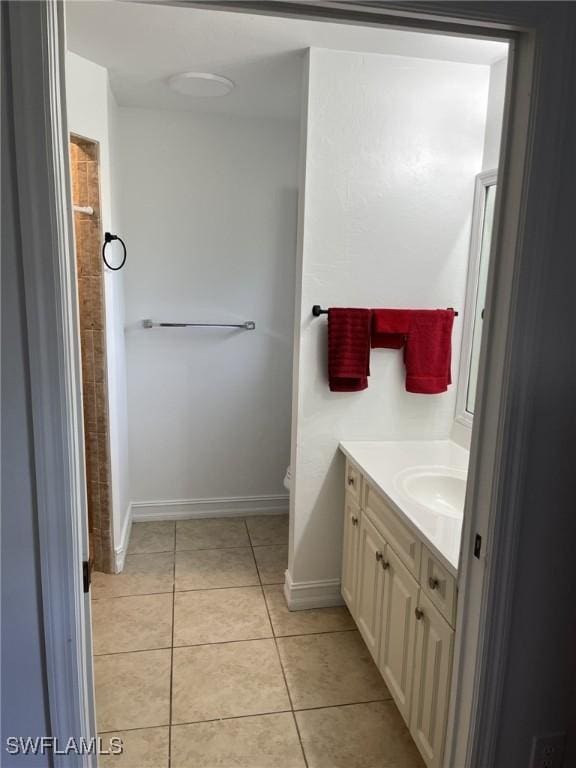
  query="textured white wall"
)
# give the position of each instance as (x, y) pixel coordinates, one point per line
(209, 207)
(92, 114)
(392, 149)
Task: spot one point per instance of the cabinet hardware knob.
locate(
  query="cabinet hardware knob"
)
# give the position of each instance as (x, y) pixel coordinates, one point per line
(379, 556)
(354, 520)
(419, 613)
(385, 565)
(350, 481)
(433, 583)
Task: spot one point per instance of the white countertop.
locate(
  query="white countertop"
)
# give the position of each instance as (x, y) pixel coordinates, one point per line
(383, 461)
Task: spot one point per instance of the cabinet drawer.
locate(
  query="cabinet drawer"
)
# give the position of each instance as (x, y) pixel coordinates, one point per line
(353, 483)
(399, 536)
(439, 586)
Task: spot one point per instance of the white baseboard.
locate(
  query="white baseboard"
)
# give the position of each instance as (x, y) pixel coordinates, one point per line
(122, 547)
(191, 509)
(301, 595)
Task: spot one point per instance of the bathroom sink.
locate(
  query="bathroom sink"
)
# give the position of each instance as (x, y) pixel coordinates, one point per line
(441, 489)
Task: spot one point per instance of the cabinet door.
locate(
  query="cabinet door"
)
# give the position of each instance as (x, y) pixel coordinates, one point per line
(350, 553)
(432, 673)
(371, 553)
(398, 632)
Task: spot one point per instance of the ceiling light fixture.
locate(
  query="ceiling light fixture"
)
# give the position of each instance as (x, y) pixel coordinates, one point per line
(200, 85)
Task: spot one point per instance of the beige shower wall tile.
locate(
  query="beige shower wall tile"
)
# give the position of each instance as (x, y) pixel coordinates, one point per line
(132, 690)
(357, 736)
(86, 149)
(266, 530)
(91, 303)
(227, 680)
(145, 748)
(81, 183)
(265, 741)
(87, 352)
(73, 174)
(133, 623)
(93, 247)
(285, 622)
(105, 502)
(220, 615)
(89, 406)
(96, 546)
(93, 186)
(215, 568)
(91, 456)
(99, 352)
(88, 243)
(93, 504)
(103, 458)
(326, 670)
(142, 575)
(101, 396)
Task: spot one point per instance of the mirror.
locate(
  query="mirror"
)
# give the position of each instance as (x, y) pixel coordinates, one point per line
(482, 221)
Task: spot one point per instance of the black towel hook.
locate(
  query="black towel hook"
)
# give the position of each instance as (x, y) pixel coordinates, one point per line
(108, 238)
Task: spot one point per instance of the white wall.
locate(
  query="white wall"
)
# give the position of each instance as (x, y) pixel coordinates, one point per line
(92, 114)
(209, 209)
(392, 149)
(495, 114)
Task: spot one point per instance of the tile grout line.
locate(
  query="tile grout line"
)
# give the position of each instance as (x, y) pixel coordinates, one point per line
(183, 549)
(281, 665)
(272, 636)
(172, 653)
(180, 591)
(257, 570)
(198, 589)
(261, 586)
(255, 714)
(249, 537)
(278, 652)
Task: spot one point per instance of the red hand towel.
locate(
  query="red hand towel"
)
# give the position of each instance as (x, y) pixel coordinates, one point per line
(427, 334)
(348, 349)
(428, 352)
(390, 327)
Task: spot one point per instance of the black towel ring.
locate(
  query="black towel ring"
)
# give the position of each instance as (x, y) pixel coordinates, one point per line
(108, 238)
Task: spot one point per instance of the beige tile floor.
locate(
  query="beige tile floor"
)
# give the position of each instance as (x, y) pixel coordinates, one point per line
(199, 663)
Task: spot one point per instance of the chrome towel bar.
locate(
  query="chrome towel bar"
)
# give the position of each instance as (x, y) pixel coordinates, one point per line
(249, 325)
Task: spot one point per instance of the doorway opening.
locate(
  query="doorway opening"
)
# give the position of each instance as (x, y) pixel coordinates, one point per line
(210, 191)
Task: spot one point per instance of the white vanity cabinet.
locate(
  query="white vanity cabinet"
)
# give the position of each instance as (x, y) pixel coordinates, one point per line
(404, 603)
(398, 632)
(432, 675)
(370, 584)
(350, 552)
